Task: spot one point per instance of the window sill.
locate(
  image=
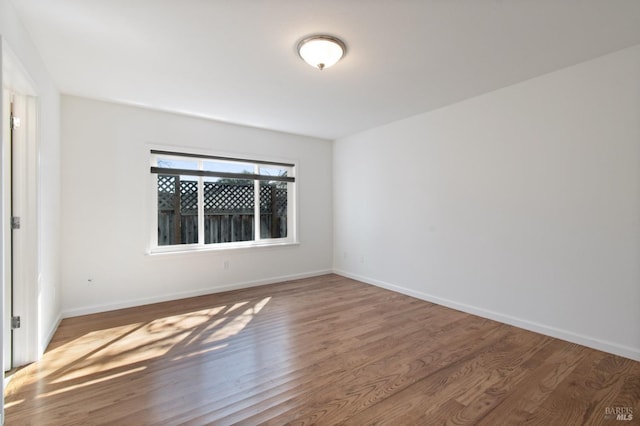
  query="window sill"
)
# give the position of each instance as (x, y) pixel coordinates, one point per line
(176, 250)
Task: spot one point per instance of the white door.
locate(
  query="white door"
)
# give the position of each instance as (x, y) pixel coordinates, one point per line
(15, 211)
(11, 223)
(6, 230)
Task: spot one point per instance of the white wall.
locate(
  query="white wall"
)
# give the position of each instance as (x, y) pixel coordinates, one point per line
(521, 205)
(47, 299)
(106, 207)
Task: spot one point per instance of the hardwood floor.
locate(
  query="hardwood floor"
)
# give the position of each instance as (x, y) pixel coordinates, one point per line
(325, 350)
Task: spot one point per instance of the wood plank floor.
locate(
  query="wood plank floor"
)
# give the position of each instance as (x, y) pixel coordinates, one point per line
(325, 350)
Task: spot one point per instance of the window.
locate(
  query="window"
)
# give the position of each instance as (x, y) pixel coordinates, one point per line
(210, 201)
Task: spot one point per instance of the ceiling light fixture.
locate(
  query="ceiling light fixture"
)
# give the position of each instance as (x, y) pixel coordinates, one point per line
(321, 51)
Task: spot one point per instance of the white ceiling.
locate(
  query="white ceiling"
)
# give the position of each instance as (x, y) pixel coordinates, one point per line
(236, 61)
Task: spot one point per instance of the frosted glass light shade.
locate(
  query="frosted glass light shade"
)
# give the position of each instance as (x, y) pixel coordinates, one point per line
(321, 51)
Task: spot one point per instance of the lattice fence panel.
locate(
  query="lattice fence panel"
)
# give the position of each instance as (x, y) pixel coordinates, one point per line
(166, 192)
(188, 197)
(267, 205)
(281, 201)
(222, 198)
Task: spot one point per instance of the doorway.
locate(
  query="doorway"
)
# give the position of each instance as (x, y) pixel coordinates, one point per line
(19, 229)
(7, 190)
(19, 247)
(15, 209)
(14, 206)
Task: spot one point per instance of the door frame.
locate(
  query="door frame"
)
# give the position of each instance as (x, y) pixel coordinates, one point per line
(16, 81)
(7, 343)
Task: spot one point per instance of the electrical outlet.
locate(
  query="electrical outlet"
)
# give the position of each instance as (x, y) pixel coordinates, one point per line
(226, 265)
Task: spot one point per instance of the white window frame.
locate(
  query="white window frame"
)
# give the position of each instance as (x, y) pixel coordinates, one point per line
(200, 157)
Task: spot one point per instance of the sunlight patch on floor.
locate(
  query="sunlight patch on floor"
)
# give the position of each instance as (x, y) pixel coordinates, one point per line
(13, 403)
(200, 352)
(136, 344)
(86, 383)
(237, 324)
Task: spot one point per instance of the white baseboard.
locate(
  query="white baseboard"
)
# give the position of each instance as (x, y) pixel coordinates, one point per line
(86, 310)
(569, 336)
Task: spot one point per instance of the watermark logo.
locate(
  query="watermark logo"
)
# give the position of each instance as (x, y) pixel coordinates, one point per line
(619, 413)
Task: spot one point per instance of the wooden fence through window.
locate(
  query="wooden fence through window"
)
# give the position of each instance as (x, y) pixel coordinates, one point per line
(228, 211)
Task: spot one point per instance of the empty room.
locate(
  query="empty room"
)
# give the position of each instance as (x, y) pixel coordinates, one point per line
(329, 212)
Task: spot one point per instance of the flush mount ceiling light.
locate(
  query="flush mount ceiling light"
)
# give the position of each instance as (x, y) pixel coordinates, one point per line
(321, 51)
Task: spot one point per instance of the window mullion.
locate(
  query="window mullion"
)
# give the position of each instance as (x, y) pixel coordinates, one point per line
(154, 202)
(256, 207)
(291, 213)
(200, 206)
